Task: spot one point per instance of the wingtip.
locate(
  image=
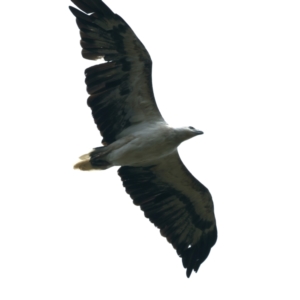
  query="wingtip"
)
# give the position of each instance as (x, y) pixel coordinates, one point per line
(89, 6)
(81, 5)
(73, 10)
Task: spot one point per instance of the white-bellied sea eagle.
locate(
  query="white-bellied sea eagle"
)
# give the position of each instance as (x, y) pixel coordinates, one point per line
(137, 138)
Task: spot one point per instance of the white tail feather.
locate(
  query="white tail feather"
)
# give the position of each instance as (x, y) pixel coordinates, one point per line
(84, 165)
(85, 156)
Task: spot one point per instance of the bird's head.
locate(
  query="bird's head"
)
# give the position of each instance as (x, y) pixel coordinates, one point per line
(185, 133)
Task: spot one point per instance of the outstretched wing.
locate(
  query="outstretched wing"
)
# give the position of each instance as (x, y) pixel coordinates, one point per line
(120, 90)
(177, 203)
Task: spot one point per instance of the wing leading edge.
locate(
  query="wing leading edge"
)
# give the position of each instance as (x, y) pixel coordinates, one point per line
(120, 90)
(121, 96)
(178, 204)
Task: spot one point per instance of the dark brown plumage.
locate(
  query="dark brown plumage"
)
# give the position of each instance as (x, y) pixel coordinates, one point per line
(121, 97)
(165, 203)
(114, 86)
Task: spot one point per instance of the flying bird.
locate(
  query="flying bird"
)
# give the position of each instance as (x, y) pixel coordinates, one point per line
(137, 138)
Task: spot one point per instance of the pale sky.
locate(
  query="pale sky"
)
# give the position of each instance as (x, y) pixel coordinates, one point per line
(228, 68)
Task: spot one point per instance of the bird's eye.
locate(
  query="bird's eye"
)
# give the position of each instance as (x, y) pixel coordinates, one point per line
(190, 127)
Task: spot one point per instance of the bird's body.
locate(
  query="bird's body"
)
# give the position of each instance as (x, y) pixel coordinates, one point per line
(141, 145)
(146, 146)
(137, 138)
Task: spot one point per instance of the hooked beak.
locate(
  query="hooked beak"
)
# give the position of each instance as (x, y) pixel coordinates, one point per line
(198, 132)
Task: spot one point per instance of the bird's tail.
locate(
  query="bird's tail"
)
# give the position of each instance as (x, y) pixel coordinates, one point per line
(95, 160)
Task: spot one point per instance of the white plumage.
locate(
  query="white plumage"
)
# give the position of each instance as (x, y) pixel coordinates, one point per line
(142, 145)
(137, 138)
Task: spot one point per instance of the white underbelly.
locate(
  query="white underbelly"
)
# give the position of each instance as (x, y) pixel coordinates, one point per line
(142, 151)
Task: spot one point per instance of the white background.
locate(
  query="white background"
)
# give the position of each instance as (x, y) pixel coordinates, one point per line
(229, 68)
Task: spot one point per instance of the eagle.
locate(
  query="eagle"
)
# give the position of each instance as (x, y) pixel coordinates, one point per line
(138, 139)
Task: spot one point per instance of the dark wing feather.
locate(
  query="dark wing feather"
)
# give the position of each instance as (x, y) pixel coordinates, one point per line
(120, 90)
(178, 204)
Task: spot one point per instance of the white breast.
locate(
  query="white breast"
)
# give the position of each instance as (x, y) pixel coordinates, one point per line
(149, 145)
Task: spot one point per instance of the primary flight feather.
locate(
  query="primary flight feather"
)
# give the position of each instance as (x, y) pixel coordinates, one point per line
(137, 138)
